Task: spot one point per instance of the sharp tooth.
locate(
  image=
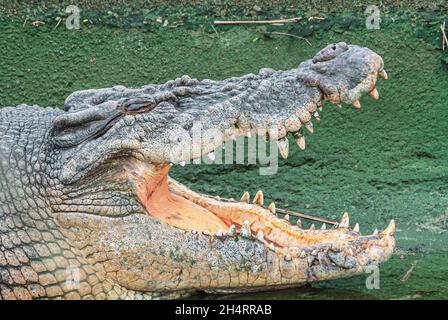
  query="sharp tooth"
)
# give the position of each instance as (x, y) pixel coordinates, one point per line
(340, 106)
(302, 254)
(193, 231)
(324, 227)
(390, 230)
(375, 232)
(259, 198)
(211, 156)
(299, 223)
(312, 227)
(231, 200)
(220, 233)
(197, 160)
(344, 221)
(356, 228)
(303, 115)
(383, 74)
(245, 197)
(311, 107)
(286, 217)
(320, 108)
(271, 207)
(357, 104)
(232, 137)
(182, 163)
(316, 115)
(248, 134)
(260, 236)
(309, 126)
(292, 124)
(245, 229)
(271, 246)
(300, 140)
(374, 93)
(288, 257)
(283, 147)
(232, 230)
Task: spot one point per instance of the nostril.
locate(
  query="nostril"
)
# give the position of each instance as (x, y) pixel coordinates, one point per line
(334, 47)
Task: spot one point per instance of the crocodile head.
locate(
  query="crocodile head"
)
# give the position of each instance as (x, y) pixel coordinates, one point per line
(147, 233)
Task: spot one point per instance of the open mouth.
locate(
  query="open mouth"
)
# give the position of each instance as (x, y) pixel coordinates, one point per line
(176, 205)
(172, 203)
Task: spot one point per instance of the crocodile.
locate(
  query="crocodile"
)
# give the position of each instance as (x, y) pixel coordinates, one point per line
(88, 210)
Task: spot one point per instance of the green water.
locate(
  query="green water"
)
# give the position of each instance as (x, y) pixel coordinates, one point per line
(388, 160)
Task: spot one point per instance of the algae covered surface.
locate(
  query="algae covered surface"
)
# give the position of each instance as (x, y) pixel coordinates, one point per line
(385, 161)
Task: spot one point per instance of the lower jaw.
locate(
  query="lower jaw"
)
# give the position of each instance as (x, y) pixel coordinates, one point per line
(174, 204)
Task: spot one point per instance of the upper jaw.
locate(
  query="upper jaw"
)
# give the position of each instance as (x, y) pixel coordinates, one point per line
(276, 103)
(272, 103)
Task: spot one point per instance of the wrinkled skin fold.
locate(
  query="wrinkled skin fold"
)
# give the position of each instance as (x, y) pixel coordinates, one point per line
(88, 210)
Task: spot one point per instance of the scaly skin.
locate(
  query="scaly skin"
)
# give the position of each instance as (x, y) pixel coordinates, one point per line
(87, 209)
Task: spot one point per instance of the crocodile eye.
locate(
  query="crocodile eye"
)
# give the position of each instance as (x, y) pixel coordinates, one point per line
(137, 105)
